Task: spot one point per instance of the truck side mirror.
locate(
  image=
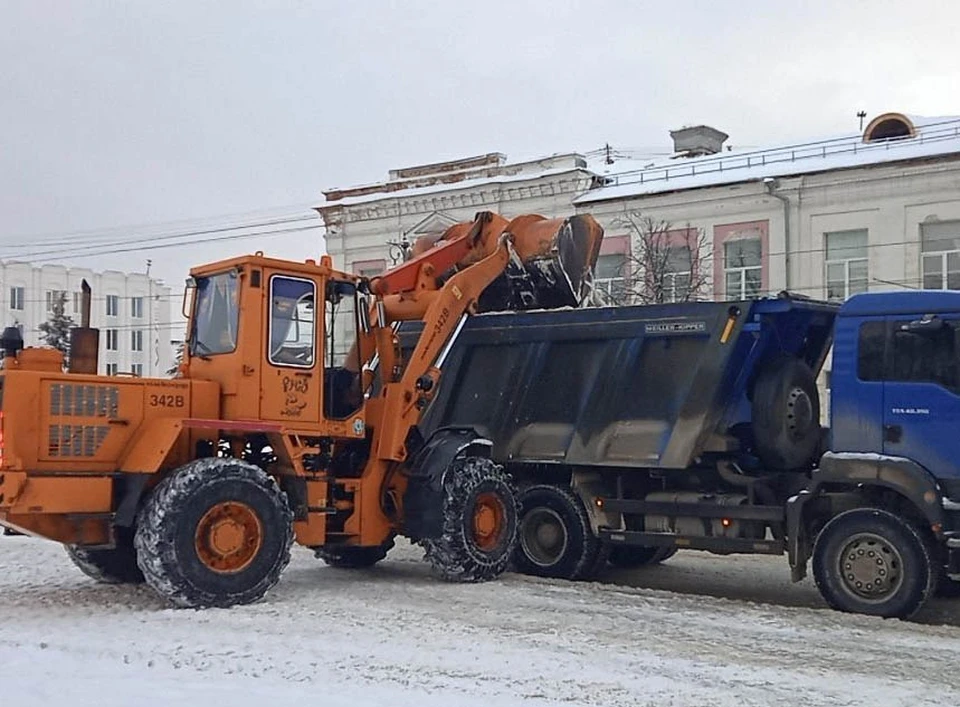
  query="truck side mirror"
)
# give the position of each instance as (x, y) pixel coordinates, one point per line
(927, 326)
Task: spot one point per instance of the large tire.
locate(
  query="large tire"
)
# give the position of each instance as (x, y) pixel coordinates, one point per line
(555, 538)
(786, 414)
(632, 556)
(479, 522)
(114, 566)
(216, 532)
(351, 558)
(870, 561)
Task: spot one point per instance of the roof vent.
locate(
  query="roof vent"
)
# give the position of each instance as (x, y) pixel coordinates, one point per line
(697, 141)
(889, 126)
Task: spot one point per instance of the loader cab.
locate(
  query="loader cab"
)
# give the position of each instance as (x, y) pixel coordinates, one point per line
(266, 330)
(896, 379)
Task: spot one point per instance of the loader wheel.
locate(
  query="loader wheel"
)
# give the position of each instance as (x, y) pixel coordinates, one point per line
(216, 532)
(114, 566)
(786, 414)
(555, 538)
(631, 556)
(479, 522)
(869, 561)
(353, 557)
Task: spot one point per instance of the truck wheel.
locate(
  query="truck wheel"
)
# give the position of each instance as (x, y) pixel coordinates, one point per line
(115, 566)
(631, 556)
(786, 414)
(555, 538)
(479, 522)
(216, 532)
(869, 561)
(353, 557)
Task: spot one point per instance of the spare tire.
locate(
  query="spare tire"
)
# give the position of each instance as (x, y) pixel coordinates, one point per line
(786, 414)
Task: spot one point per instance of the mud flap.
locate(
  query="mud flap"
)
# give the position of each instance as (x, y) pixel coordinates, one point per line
(853, 470)
(423, 499)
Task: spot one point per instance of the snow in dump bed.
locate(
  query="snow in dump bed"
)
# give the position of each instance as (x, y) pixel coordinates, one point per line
(394, 636)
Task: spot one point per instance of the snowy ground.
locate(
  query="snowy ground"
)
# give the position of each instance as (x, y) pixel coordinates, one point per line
(394, 636)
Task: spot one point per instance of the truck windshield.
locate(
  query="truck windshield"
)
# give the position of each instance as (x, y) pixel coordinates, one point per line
(216, 315)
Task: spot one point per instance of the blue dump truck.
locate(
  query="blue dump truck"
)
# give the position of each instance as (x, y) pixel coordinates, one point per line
(634, 431)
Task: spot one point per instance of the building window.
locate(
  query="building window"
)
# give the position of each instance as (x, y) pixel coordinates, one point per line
(111, 369)
(940, 248)
(53, 296)
(743, 268)
(113, 305)
(113, 340)
(136, 307)
(846, 263)
(137, 369)
(369, 268)
(77, 302)
(136, 340)
(16, 298)
(611, 278)
(677, 278)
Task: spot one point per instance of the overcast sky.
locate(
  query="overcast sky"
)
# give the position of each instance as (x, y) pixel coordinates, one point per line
(143, 113)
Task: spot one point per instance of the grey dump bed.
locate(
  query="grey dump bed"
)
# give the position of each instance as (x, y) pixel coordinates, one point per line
(643, 386)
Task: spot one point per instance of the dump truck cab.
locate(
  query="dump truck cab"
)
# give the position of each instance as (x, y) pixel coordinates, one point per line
(896, 380)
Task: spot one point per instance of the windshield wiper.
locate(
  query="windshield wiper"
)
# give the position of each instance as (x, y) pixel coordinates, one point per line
(195, 349)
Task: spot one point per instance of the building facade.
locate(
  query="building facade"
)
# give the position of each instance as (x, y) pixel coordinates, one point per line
(824, 219)
(132, 312)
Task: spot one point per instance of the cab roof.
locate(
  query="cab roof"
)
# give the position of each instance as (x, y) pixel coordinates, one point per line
(901, 302)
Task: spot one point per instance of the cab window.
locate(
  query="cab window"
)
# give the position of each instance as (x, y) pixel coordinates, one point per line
(216, 315)
(292, 322)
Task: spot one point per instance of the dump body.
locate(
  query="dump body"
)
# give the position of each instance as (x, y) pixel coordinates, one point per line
(632, 387)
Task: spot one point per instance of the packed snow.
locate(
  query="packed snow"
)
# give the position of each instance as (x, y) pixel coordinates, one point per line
(697, 630)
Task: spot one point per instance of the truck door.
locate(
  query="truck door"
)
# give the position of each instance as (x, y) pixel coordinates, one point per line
(292, 378)
(922, 393)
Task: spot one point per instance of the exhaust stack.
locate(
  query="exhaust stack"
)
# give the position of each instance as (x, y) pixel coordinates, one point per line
(84, 340)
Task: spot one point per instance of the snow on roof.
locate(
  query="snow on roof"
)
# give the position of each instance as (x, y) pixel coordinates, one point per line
(935, 137)
(451, 186)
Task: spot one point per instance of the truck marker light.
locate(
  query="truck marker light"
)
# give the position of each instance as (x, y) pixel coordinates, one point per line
(733, 313)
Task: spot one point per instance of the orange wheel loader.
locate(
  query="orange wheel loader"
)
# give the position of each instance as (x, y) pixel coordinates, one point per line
(282, 424)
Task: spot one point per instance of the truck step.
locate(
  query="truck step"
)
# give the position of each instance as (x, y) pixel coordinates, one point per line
(714, 544)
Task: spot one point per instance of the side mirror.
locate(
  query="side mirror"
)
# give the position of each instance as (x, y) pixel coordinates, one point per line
(927, 326)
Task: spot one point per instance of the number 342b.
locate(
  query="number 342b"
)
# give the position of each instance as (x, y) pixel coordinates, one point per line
(166, 401)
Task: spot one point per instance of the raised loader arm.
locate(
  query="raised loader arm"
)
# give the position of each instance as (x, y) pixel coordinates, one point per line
(543, 262)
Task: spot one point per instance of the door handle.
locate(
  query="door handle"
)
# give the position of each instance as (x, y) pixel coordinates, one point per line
(892, 433)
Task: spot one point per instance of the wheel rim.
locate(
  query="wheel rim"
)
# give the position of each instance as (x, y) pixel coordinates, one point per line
(489, 521)
(870, 567)
(228, 537)
(543, 536)
(799, 411)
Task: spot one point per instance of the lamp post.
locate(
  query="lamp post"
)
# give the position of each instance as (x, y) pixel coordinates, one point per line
(399, 250)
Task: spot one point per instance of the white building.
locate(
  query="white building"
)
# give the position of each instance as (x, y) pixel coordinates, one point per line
(132, 312)
(825, 219)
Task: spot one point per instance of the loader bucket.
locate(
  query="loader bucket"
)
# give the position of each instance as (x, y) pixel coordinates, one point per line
(552, 267)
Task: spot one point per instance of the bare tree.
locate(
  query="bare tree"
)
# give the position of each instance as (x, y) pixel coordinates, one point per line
(665, 264)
